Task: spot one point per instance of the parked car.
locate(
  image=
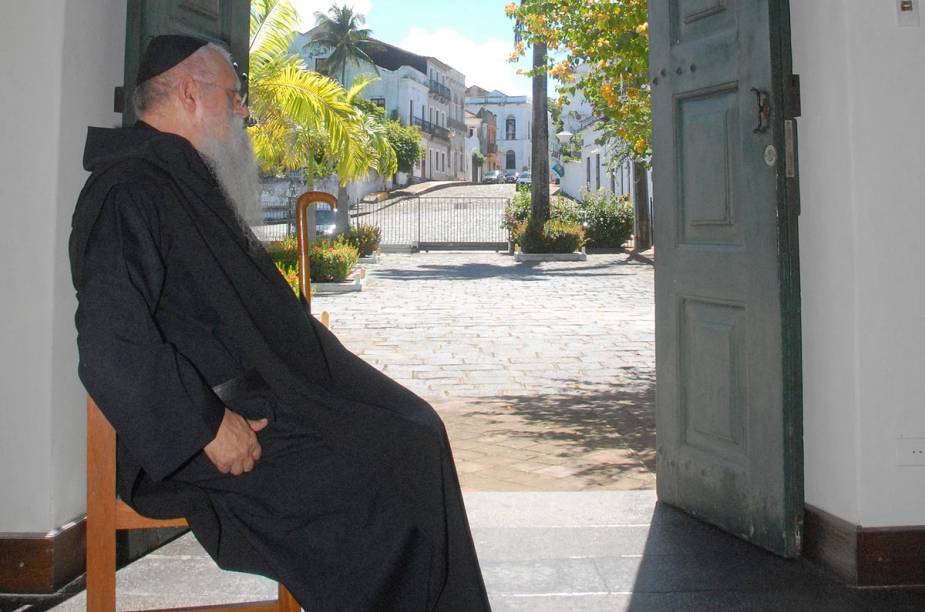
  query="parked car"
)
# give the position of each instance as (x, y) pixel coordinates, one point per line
(510, 176)
(493, 176)
(524, 178)
(325, 223)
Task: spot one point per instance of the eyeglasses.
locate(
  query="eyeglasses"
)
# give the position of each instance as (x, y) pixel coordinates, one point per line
(239, 100)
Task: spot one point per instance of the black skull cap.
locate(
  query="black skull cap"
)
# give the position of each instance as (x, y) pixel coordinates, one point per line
(164, 52)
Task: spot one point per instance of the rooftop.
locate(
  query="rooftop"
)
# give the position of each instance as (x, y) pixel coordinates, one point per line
(391, 57)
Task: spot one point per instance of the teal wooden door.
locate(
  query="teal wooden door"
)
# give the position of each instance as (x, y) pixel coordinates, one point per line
(222, 21)
(728, 395)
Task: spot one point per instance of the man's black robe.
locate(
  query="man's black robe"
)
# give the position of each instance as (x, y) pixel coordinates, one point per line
(355, 503)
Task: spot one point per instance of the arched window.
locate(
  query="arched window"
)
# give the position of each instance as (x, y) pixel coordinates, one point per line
(510, 129)
(509, 162)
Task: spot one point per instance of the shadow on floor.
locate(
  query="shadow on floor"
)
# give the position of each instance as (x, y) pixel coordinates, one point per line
(688, 565)
(525, 271)
(605, 432)
(589, 417)
(40, 603)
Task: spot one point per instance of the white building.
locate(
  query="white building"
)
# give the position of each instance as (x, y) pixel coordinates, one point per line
(595, 169)
(515, 121)
(413, 89)
(473, 143)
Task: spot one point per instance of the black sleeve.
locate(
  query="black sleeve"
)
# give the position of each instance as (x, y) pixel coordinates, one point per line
(162, 409)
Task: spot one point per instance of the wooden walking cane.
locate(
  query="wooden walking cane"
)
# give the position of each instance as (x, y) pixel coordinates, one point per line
(301, 225)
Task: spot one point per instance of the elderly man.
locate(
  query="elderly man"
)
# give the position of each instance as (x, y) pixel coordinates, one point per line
(289, 456)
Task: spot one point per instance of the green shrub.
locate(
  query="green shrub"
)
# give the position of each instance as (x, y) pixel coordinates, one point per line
(365, 238)
(518, 210)
(564, 209)
(291, 275)
(285, 254)
(555, 236)
(608, 218)
(332, 261)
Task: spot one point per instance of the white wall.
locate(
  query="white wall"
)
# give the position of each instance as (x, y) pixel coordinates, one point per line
(576, 173)
(57, 81)
(862, 174)
(523, 115)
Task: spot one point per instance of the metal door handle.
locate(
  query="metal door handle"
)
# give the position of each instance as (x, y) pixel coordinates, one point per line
(764, 111)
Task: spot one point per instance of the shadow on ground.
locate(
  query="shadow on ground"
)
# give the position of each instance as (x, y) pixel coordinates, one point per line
(594, 436)
(525, 271)
(689, 565)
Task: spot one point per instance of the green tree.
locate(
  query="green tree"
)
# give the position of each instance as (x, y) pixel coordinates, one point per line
(379, 157)
(477, 159)
(406, 140)
(301, 119)
(601, 50)
(340, 31)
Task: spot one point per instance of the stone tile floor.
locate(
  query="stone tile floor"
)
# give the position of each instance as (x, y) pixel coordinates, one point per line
(544, 376)
(555, 552)
(544, 373)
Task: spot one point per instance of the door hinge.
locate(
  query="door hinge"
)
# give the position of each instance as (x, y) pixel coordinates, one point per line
(792, 108)
(790, 149)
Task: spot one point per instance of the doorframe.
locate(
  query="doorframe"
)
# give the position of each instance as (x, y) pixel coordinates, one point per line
(785, 97)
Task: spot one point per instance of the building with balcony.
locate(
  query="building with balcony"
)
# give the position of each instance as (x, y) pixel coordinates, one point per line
(414, 90)
(513, 117)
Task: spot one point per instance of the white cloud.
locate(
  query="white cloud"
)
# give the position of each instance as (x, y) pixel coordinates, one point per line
(307, 9)
(484, 63)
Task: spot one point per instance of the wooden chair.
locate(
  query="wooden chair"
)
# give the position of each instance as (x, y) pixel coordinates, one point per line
(106, 514)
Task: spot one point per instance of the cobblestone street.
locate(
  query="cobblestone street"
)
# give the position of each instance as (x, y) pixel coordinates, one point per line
(543, 373)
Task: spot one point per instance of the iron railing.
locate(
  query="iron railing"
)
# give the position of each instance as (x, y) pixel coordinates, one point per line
(432, 223)
(429, 127)
(278, 222)
(439, 89)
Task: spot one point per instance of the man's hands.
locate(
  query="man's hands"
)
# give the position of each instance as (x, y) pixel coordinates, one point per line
(235, 448)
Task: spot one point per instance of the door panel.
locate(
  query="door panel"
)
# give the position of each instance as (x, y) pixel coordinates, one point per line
(221, 21)
(727, 286)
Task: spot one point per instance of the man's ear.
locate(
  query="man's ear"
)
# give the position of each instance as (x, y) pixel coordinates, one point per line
(188, 93)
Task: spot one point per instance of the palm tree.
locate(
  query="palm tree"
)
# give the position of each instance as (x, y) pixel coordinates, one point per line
(340, 31)
(380, 156)
(298, 115)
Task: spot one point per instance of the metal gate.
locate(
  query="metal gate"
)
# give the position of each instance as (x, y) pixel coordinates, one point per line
(433, 223)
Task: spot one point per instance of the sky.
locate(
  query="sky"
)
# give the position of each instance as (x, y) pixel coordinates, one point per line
(473, 36)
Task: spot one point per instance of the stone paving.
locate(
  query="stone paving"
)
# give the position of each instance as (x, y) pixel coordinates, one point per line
(544, 373)
(592, 551)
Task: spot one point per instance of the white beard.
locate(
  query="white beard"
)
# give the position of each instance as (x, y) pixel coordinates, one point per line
(233, 164)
